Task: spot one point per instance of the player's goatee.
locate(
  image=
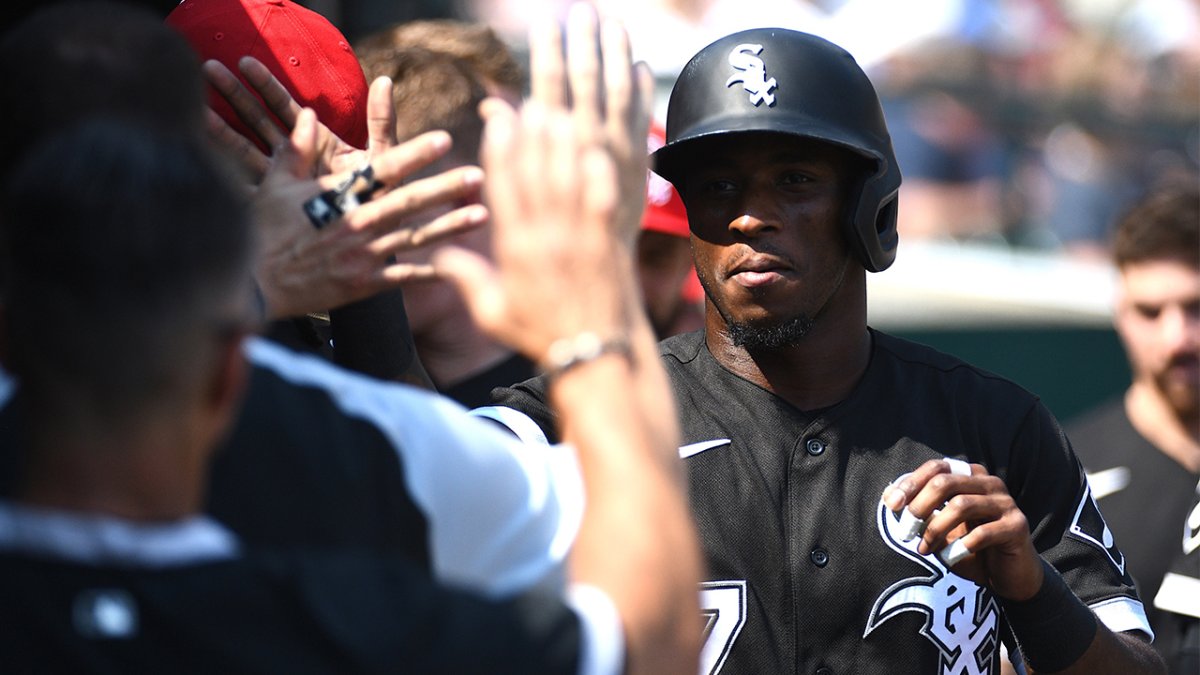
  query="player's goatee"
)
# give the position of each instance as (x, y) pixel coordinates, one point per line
(787, 333)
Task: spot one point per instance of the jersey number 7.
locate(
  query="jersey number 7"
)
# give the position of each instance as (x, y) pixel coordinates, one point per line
(723, 604)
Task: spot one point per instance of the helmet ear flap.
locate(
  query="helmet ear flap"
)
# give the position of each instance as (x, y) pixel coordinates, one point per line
(886, 237)
(872, 221)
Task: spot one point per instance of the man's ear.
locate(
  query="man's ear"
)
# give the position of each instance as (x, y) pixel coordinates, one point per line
(229, 377)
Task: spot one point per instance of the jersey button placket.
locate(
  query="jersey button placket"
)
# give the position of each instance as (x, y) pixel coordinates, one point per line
(819, 557)
(815, 447)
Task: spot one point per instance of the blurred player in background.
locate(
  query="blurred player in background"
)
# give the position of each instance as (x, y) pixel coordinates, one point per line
(1142, 451)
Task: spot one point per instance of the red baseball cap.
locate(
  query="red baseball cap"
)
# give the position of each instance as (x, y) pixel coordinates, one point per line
(664, 208)
(300, 47)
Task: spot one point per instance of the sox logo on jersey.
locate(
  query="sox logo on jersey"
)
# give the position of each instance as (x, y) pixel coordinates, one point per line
(752, 73)
(961, 617)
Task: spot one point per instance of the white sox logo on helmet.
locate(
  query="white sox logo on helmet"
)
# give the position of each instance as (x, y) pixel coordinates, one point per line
(752, 73)
(961, 617)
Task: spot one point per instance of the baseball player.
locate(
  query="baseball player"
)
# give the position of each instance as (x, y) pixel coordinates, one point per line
(865, 504)
(1142, 449)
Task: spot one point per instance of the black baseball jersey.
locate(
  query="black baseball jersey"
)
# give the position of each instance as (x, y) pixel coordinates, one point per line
(807, 572)
(476, 390)
(1145, 496)
(322, 458)
(1178, 599)
(96, 594)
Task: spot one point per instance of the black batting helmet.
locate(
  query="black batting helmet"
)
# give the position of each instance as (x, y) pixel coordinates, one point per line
(784, 81)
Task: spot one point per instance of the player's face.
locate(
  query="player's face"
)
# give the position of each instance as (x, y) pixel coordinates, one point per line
(435, 303)
(1158, 318)
(765, 212)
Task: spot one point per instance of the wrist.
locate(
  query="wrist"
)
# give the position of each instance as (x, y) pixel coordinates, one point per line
(568, 354)
(1053, 627)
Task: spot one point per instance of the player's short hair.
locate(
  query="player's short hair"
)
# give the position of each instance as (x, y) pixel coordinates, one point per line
(487, 56)
(126, 259)
(1165, 224)
(78, 59)
(432, 90)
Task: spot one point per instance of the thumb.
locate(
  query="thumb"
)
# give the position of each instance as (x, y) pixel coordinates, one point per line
(381, 116)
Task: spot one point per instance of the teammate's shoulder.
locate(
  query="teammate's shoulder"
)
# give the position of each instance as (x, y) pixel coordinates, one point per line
(283, 379)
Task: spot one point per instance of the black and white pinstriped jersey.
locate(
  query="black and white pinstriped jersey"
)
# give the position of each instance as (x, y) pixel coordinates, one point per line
(806, 570)
(323, 460)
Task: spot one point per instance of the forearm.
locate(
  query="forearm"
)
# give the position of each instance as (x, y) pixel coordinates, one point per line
(637, 542)
(372, 336)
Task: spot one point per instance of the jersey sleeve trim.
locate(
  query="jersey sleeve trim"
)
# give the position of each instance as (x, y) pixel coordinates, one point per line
(1179, 594)
(1122, 615)
(602, 650)
(498, 541)
(520, 424)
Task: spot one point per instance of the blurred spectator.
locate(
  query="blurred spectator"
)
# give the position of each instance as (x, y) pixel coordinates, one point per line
(953, 165)
(1143, 450)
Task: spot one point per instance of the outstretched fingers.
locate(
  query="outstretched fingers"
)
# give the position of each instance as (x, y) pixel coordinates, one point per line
(245, 105)
(401, 204)
(407, 238)
(395, 164)
(381, 117)
(547, 66)
(276, 97)
(584, 73)
(237, 146)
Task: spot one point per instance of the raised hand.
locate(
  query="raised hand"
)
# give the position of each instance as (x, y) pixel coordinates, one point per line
(302, 269)
(333, 155)
(608, 97)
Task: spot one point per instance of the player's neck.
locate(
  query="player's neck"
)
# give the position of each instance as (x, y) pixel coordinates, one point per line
(1153, 417)
(817, 373)
(155, 474)
(454, 351)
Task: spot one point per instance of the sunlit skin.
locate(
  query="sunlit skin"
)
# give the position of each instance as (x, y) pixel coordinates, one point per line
(767, 236)
(1158, 319)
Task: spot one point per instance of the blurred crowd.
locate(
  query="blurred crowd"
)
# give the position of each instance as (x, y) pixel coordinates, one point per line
(1032, 123)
